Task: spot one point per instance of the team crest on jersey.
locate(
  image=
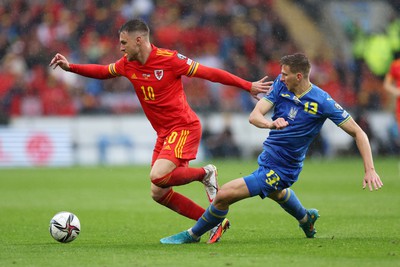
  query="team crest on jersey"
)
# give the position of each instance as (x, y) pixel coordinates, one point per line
(159, 74)
(292, 113)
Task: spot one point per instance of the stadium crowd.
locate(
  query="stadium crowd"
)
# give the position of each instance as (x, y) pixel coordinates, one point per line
(244, 37)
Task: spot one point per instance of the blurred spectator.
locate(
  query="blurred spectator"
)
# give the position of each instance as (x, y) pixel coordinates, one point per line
(392, 31)
(221, 145)
(391, 84)
(224, 34)
(358, 40)
(394, 138)
(325, 75)
(319, 147)
(137, 9)
(244, 37)
(56, 99)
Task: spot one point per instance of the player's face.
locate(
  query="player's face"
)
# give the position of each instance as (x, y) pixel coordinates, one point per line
(289, 78)
(130, 44)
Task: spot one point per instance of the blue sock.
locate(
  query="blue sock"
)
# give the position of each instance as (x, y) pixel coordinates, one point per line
(291, 204)
(210, 218)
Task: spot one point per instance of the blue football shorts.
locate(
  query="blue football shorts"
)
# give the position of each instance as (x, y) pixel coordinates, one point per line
(268, 179)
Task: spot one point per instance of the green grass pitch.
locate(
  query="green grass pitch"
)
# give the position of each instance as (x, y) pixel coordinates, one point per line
(121, 225)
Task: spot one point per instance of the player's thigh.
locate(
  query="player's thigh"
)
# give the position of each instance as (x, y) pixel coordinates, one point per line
(161, 167)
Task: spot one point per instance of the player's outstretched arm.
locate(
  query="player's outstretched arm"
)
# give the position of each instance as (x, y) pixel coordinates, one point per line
(227, 78)
(88, 70)
(371, 178)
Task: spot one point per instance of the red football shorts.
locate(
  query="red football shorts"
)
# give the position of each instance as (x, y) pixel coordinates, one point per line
(180, 146)
(398, 114)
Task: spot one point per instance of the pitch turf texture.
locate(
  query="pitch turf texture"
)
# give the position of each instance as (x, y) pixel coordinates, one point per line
(121, 225)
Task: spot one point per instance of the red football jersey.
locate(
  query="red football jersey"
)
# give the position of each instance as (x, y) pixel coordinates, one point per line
(395, 72)
(158, 86)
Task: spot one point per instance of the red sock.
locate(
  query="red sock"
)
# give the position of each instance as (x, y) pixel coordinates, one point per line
(182, 205)
(180, 176)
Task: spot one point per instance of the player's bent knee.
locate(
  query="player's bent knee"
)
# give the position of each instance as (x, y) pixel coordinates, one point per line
(223, 199)
(277, 195)
(154, 195)
(154, 176)
(160, 180)
(157, 193)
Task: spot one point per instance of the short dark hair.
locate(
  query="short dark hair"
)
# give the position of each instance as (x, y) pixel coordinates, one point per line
(135, 25)
(297, 63)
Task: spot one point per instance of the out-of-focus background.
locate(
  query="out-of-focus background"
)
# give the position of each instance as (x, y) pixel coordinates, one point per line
(54, 118)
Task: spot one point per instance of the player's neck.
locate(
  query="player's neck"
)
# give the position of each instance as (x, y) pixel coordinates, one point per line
(302, 87)
(144, 53)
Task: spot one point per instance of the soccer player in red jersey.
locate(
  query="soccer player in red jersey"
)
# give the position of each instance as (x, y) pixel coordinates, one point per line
(391, 84)
(155, 74)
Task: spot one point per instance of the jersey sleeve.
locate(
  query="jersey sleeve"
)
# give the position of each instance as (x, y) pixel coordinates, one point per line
(185, 66)
(273, 93)
(100, 71)
(91, 70)
(335, 112)
(221, 76)
(117, 68)
(180, 64)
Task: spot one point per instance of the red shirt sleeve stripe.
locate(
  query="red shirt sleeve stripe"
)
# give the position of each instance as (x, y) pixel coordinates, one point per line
(112, 70)
(193, 68)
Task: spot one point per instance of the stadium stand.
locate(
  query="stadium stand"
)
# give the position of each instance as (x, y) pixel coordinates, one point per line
(244, 37)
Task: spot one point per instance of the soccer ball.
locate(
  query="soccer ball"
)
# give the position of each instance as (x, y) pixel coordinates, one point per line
(64, 227)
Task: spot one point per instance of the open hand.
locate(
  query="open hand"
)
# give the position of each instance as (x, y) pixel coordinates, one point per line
(61, 61)
(373, 180)
(260, 86)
